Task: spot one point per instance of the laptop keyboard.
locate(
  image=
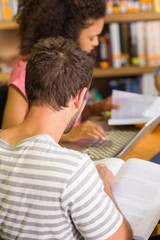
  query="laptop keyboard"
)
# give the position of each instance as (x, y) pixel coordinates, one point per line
(118, 139)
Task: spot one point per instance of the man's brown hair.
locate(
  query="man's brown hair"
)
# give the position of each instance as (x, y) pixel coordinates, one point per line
(57, 69)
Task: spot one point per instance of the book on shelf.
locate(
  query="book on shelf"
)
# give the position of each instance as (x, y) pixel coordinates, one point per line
(133, 85)
(137, 43)
(115, 45)
(137, 193)
(134, 43)
(156, 158)
(128, 84)
(125, 43)
(109, 50)
(8, 8)
(141, 43)
(156, 28)
(131, 6)
(156, 6)
(148, 84)
(102, 56)
(148, 42)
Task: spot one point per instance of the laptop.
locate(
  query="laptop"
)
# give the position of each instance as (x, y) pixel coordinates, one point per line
(121, 139)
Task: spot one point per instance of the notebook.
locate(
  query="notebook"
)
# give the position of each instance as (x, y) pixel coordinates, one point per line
(121, 139)
(156, 158)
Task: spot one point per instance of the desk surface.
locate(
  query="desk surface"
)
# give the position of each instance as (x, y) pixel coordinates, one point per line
(146, 149)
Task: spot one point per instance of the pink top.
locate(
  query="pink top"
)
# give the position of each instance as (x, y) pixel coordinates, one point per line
(17, 79)
(18, 74)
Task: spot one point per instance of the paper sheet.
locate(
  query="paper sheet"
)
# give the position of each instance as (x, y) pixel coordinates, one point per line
(135, 108)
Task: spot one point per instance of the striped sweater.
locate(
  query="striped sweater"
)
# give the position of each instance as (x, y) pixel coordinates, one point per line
(49, 192)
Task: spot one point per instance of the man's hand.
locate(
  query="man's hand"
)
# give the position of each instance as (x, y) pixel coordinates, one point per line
(107, 177)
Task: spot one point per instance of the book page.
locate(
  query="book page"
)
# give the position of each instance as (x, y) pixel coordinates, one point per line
(150, 111)
(113, 164)
(134, 107)
(137, 193)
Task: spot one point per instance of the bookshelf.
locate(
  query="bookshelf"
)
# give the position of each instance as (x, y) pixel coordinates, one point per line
(4, 77)
(123, 71)
(132, 17)
(8, 25)
(127, 70)
(110, 18)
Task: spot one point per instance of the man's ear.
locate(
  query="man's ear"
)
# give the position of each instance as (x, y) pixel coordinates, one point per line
(80, 98)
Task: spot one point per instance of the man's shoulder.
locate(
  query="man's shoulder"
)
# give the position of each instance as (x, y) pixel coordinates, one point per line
(45, 143)
(75, 157)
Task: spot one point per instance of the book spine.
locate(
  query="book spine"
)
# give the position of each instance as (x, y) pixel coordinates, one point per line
(150, 43)
(109, 50)
(115, 45)
(6, 10)
(148, 84)
(123, 6)
(126, 84)
(133, 6)
(109, 6)
(103, 53)
(125, 43)
(14, 6)
(158, 41)
(1, 10)
(141, 43)
(116, 6)
(156, 6)
(134, 43)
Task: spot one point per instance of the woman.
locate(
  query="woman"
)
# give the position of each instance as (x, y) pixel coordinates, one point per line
(80, 20)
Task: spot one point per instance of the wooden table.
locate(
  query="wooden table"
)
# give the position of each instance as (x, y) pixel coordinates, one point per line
(146, 149)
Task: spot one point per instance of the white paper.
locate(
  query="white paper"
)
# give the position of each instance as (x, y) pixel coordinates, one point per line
(154, 109)
(134, 107)
(137, 193)
(127, 121)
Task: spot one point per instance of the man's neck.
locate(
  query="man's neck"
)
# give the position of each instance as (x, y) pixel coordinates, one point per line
(40, 120)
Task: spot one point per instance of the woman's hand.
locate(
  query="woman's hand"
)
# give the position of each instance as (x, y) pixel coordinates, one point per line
(104, 105)
(97, 107)
(87, 129)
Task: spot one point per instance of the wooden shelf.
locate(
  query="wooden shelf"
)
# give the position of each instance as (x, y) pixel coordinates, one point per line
(131, 17)
(120, 72)
(8, 25)
(4, 77)
(119, 17)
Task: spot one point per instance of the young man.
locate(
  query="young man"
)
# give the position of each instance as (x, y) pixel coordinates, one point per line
(46, 191)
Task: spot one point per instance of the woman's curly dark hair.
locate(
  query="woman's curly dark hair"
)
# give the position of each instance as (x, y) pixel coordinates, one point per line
(39, 19)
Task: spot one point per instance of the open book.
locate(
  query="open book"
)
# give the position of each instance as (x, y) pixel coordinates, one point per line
(137, 192)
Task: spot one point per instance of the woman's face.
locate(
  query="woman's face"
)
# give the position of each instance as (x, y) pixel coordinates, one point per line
(88, 38)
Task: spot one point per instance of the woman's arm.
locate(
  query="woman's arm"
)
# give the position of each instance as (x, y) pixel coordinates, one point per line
(97, 107)
(16, 108)
(86, 129)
